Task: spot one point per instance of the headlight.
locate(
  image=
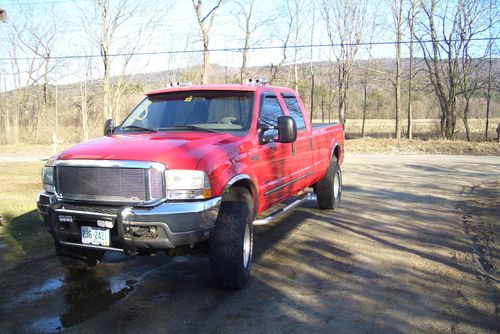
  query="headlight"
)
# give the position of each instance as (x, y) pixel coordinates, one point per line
(48, 176)
(187, 184)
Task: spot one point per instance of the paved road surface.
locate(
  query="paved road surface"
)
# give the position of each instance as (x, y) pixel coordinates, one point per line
(402, 254)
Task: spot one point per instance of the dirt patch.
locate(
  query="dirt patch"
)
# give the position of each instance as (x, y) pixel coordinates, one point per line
(481, 223)
(457, 147)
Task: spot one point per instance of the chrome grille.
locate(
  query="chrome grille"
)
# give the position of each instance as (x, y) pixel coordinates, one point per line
(125, 183)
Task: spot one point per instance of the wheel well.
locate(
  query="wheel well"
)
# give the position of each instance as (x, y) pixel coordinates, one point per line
(336, 152)
(236, 193)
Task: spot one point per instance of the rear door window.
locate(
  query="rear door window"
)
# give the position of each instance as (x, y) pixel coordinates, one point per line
(294, 111)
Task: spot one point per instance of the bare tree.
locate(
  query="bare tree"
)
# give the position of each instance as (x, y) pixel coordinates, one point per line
(248, 29)
(205, 21)
(492, 22)
(345, 24)
(249, 21)
(471, 14)
(37, 39)
(411, 27)
(298, 8)
(283, 34)
(311, 67)
(372, 32)
(397, 16)
(107, 24)
(443, 54)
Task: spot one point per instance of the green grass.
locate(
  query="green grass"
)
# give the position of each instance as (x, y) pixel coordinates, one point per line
(21, 231)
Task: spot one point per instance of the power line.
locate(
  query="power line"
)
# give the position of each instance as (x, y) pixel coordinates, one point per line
(239, 49)
(17, 3)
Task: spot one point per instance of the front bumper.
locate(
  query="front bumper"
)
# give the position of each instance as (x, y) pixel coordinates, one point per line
(162, 227)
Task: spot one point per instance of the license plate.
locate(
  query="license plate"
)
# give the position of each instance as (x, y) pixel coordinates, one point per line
(95, 235)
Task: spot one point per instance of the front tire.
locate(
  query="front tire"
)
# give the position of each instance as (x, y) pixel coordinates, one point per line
(329, 188)
(232, 245)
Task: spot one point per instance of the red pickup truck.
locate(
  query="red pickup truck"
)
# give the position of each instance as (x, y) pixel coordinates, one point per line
(190, 166)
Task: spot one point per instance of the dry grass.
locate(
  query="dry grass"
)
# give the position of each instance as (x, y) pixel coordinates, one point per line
(31, 149)
(458, 147)
(422, 128)
(21, 231)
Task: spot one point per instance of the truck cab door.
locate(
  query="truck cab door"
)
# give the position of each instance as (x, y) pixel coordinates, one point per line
(274, 159)
(302, 165)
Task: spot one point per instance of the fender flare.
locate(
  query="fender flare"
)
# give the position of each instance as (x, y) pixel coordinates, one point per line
(335, 146)
(254, 192)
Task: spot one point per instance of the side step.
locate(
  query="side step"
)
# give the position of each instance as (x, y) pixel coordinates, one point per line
(279, 212)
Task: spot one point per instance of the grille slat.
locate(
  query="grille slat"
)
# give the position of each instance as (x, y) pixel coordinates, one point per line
(109, 184)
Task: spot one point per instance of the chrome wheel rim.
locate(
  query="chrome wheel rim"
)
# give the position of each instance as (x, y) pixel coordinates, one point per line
(246, 246)
(336, 185)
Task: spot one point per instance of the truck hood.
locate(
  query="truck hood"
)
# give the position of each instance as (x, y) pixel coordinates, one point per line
(177, 150)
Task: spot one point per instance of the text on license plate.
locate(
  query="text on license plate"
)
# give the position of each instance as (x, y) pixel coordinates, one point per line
(95, 235)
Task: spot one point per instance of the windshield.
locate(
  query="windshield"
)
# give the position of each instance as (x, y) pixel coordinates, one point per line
(210, 111)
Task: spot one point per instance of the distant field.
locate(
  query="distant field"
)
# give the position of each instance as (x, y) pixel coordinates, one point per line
(377, 131)
(430, 146)
(422, 128)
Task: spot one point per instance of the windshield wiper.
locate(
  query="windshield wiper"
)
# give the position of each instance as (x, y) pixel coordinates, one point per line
(188, 127)
(140, 128)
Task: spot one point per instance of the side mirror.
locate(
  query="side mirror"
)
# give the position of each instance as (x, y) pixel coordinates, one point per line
(108, 127)
(287, 129)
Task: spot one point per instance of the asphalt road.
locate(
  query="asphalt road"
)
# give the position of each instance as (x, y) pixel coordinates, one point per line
(412, 249)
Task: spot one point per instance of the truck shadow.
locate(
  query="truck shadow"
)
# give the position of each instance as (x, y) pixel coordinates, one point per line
(23, 237)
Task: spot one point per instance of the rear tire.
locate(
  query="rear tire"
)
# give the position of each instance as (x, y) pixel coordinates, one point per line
(79, 259)
(329, 189)
(232, 245)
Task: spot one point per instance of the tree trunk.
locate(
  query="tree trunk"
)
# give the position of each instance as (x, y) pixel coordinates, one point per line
(322, 114)
(399, 15)
(342, 93)
(7, 125)
(56, 112)
(106, 91)
(364, 106)
(83, 96)
(16, 122)
(206, 60)
(397, 89)
(488, 96)
(312, 96)
(488, 99)
(410, 71)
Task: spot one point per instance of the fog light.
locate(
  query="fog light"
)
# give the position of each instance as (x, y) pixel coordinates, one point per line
(65, 219)
(105, 223)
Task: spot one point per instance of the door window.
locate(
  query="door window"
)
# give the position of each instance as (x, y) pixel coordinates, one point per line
(269, 113)
(295, 112)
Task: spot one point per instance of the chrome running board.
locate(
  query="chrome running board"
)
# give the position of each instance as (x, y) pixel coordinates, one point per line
(279, 212)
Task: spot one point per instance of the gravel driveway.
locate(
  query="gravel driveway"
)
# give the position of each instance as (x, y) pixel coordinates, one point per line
(412, 249)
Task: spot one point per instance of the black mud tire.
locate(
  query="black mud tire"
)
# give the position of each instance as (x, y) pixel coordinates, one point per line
(231, 247)
(329, 188)
(79, 259)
